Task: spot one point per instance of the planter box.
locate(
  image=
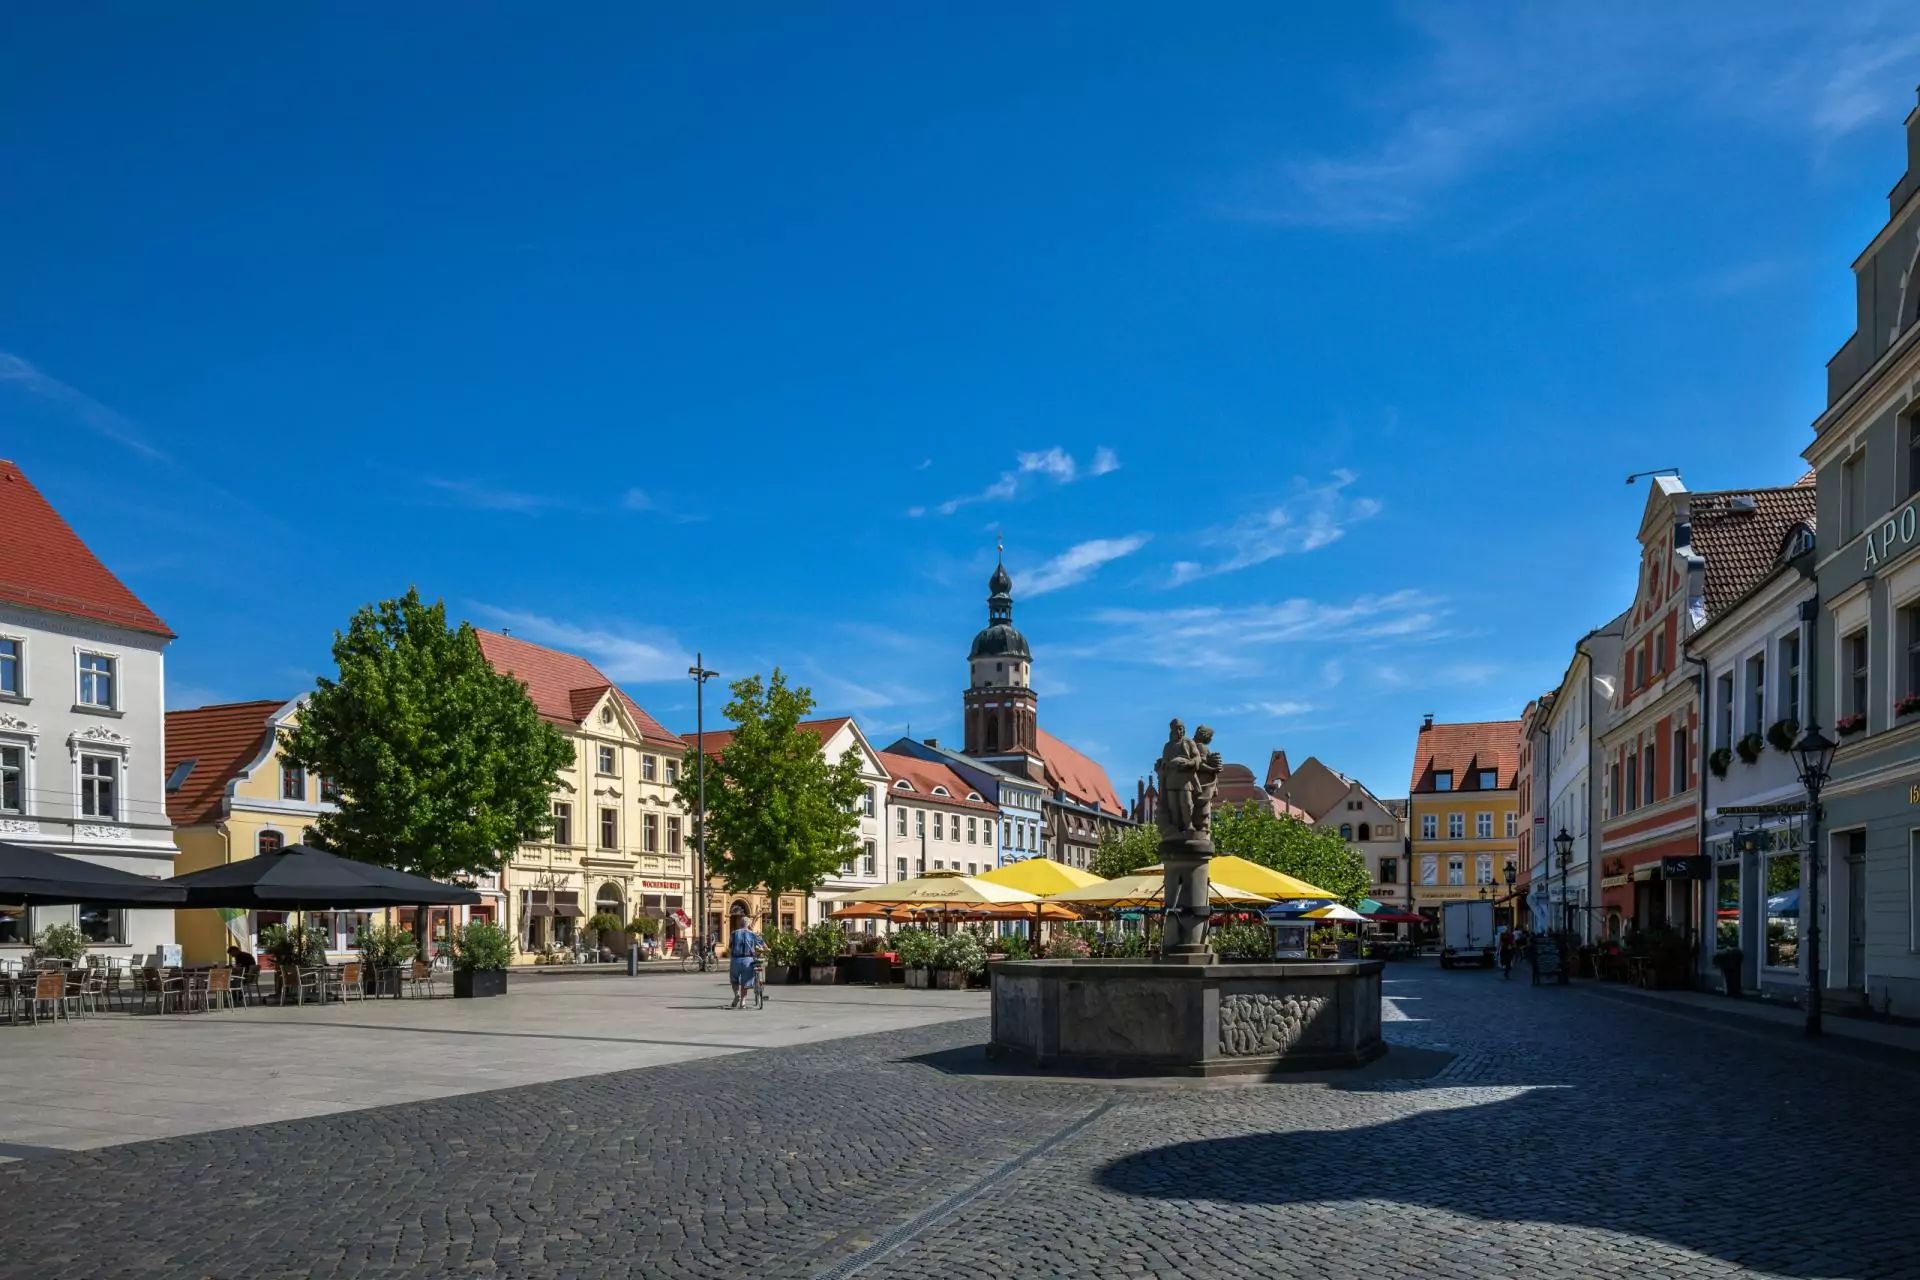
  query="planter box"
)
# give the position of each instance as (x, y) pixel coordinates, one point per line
(473, 984)
(779, 973)
(381, 982)
(873, 969)
(822, 974)
(918, 979)
(949, 979)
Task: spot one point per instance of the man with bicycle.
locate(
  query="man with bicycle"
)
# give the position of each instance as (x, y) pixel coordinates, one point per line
(743, 947)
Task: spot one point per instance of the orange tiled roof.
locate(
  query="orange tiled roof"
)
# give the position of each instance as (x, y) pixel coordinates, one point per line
(1278, 770)
(924, 776)
(1080, 778)
(1742, 547)
(1465, 749)
(564, 686)
(717, 739)
(1237, 788)
(45, 565)
(221, 741)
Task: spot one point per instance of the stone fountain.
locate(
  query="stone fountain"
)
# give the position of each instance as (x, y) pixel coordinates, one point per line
(1185, 1012)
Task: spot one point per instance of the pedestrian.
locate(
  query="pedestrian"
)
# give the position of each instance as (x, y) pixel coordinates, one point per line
(743, 944)
(1506, 953)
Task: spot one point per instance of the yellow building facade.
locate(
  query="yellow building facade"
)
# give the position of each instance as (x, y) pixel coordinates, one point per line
(1463, 813)
(621, 841)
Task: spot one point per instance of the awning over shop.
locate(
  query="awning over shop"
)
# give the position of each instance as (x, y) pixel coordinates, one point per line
(553, 902)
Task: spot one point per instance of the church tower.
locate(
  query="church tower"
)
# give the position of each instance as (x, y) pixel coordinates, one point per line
(1002, 713)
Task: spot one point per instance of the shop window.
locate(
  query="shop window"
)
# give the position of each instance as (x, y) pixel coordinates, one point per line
(1726, 907)
(1783, 911)
(14, 930)
(102, 925)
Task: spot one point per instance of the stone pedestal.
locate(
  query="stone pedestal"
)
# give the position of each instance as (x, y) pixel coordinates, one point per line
(1148, 1018)
(1187, 897)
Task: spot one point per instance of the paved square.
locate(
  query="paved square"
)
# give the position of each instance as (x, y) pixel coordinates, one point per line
(1516, 1131)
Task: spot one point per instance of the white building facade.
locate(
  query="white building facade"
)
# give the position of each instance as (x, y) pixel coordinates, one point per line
(1563, 897)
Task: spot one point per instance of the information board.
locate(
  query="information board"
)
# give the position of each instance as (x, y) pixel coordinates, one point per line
(1546, 959)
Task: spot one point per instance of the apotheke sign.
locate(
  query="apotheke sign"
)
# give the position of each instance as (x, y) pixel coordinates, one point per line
(1896, 533)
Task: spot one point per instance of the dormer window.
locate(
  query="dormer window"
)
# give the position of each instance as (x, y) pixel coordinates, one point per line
(942, 791)
(903, 785)
(1489, 780)
(1443, 780)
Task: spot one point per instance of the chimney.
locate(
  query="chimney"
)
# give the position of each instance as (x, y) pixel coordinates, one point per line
(1427, 723)
(932, 742)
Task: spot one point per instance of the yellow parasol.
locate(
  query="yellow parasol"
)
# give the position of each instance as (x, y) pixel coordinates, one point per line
(1144, 891)
(940, 893)
(1277, 885)
(1043, 876)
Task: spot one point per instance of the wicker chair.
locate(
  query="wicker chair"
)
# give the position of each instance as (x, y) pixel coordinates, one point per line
(421, 975)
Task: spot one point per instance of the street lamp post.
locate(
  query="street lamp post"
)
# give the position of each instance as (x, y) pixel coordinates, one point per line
(1513, 899)
(700, 676)
(1813, 760)
(1563, 846)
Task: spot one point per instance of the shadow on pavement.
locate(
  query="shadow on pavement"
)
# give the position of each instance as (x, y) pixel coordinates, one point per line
(1392, 1071)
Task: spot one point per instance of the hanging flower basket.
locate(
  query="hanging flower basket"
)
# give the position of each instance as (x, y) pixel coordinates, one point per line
(1721, 758)
(1783, 734)
(1751, 747)
(1908, 705)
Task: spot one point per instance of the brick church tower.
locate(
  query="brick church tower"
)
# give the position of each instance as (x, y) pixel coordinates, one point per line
(1002, 713)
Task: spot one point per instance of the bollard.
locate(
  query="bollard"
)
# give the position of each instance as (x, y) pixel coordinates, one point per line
(633, 959)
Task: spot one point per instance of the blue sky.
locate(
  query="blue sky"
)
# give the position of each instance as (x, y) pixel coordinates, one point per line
(1299, 355)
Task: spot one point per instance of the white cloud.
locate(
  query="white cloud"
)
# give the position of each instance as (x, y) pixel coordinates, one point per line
(1332, 672)
(486, 497)
(925, 463)
(78, 404)
(1279, 710)
(1496, 80)
(1078, 563)
(638, 500)
(1224, 638)
(639, 654)
(1311, 517)
(644, 500)
(1054, 464)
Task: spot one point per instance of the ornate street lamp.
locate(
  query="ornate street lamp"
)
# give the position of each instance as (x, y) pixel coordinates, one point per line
(1563, 846)
(1813, 760)
(698, 671)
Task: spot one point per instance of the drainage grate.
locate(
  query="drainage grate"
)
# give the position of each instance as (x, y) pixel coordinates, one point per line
(907, 1230)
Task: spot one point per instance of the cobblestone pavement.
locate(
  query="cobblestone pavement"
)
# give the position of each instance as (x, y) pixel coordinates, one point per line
(1517, 1130)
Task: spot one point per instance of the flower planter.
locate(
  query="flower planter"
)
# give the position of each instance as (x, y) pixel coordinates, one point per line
(383, 981)
(824, 975)
(475, 984)
(780, 974)
(919, 979)
(949, 979)
(1730, 974)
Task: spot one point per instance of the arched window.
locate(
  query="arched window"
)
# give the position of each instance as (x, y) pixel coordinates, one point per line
(270, 842)
(1346, 831)
(608, 900)
(1366, 832)
(993, 733)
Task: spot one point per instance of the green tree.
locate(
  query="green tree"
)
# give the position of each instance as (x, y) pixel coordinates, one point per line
(1124, 853)
(1287, 844)
(780, 815)
(442, 764)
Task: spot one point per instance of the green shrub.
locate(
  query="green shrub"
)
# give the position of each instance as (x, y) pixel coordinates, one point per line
(385, 945)
(822, 942)
(481, 945)
(298, 946)
(783, 947)
(61, 942)
(962, 951)
(602, 925)
(1014, 946)
(643, 927)
(918, 948)
(1242, 942)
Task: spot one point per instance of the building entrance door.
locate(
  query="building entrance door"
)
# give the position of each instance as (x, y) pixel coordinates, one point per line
(1856, 863)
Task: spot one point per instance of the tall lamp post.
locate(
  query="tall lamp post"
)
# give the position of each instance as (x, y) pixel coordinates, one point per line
(1563, 849)
(700, 676)
(1513, 899)
(1813, 759)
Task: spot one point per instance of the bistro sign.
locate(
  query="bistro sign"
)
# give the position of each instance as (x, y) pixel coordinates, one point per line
(1896, 532)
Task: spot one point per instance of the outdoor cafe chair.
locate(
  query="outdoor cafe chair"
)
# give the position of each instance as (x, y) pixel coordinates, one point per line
(93, 990)
(421, 975)
(199, 990)
(346, 981)
(164, 987)
(49, 998)
(309, 978)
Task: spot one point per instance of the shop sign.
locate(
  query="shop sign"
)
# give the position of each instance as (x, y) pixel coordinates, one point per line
(663, 884)
(1897, 531)
(1913, 794)
(1613, 882)
(1690, 867)
(1784, 810)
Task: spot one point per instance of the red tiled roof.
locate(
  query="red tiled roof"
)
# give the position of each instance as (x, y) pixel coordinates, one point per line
(1237, 788)
(1742, 547)
(221, 741)
(45, 565)
(924, 776)
(1278, 769)
(717, 739)
(564, 687)
(1465, 749)
(1080, 778)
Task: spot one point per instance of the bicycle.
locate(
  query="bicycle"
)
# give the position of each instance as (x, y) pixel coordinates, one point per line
(698, 959)
(759, 982)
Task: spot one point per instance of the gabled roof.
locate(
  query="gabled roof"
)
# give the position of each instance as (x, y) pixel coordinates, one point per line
(1465, 749)
(717, 739)
(1739, 533)
(1318, 788)
(44, 564)
(1080, 778)
(961, 759)
(922, 776)
(1277, 768)
(564, 687)
(1237, 788)
(219, 741)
